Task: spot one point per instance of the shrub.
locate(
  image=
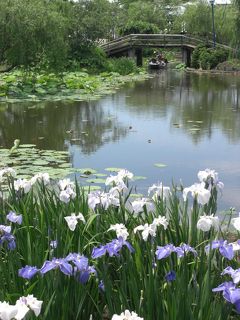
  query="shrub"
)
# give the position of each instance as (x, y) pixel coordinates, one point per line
(208, 58)
(90, 57)
(122, 65)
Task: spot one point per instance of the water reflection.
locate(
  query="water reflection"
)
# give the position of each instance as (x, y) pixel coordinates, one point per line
(197, 103)
(187, 121)
(55, 126)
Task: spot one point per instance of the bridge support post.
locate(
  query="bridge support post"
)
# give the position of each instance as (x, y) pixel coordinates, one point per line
(186, 56)
(131, 53)
(136, 54)
(139, 57)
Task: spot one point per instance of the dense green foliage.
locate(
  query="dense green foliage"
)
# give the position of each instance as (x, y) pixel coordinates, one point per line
(24, 30)
(51, 33)
(197, 20)
(207, 58)
(61, 35)
(237, 22)
(139, 27)
(122, 65)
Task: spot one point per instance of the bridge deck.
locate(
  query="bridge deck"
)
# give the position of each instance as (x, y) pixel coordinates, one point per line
(154, 40)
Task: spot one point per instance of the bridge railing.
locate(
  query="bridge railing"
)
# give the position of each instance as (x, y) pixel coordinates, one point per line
(142, 39)
(156, 40)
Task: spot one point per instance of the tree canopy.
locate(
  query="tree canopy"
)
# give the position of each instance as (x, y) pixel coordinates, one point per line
(53, 32)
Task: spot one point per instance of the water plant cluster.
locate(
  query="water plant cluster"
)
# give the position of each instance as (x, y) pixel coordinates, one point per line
(107, 255)
(74, 86)
(28, 160)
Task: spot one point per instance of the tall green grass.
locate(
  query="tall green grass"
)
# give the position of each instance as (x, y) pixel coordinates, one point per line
(132, 280)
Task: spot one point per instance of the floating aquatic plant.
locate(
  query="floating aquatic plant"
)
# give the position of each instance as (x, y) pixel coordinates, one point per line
(73, 86)
(160, 165)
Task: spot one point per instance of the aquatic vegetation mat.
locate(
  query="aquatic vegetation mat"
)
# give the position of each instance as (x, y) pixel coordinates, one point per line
(74, 86)
(28, 160)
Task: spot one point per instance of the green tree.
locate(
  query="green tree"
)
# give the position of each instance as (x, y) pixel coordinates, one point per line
(198, 19)
(30, 31)
(237, 25)
(143, 17)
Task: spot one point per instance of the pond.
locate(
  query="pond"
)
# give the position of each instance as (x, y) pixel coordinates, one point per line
(187, 122)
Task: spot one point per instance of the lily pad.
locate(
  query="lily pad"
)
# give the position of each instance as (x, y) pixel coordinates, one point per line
(91, 188)
(65, 165)
(28, 160)
(160, 165)
(97, 180)
(135, 178)
(136, 195)
(27, 146)
(113, 169)
(86, 171)
(100, 175)
(40, 162)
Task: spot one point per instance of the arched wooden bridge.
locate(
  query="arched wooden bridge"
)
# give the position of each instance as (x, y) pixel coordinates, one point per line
(132, 45)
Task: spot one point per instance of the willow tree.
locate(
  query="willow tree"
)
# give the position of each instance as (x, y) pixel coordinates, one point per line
(31, 31)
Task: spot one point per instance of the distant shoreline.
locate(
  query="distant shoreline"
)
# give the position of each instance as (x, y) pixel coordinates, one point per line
(213, 71)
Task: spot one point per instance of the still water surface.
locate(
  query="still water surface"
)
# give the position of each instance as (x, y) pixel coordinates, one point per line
(187, 121)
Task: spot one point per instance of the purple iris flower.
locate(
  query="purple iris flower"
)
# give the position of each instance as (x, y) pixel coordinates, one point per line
(112, 248)
(164, 252)
(71, 256)
(228, 270)
(99, 252)
(224, 286)
(214, 245)
(82, 270)
(15, 218)
(233, 295)
(184, 249)
(230, 293)
(101, 286)
(61, 263)
(84, 276)
(11, 242)
(235, 274)
(80, 262)
(6, 236)
(27, 272)
(170, 276)
(225, 249)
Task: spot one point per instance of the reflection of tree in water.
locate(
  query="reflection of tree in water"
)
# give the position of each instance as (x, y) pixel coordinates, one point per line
(51, 125)
(193, 101)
